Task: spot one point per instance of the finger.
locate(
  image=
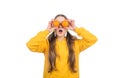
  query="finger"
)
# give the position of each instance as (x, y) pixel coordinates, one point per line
(52, 19)
(72, 22)
(55, 27)
(50, 23)
(69, 20)
(67, 28)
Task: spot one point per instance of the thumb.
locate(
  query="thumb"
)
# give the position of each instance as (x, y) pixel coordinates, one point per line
(67, 28)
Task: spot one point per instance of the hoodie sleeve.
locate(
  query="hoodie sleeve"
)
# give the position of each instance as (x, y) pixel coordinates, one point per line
(88, 39)
(38, 43)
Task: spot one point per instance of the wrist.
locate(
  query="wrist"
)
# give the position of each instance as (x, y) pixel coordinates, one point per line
(48, 30)
(74, 28)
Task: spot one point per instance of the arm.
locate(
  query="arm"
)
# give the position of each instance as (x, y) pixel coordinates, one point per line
(39, 42)
(88, 39)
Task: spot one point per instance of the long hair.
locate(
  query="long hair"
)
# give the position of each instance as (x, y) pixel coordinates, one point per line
(52, 52)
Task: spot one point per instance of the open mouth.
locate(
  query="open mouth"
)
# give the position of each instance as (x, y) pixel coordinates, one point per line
(60, 31)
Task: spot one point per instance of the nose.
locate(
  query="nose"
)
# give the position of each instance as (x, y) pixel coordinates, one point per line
(60, 26)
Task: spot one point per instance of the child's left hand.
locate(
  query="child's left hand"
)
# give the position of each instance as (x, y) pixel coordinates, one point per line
(71, 25)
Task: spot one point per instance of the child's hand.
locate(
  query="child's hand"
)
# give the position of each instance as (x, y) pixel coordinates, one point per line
(71, 25)
(50, 27)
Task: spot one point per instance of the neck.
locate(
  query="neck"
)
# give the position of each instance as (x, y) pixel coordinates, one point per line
(60, 38)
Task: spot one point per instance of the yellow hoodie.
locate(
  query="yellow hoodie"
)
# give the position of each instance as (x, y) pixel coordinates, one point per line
(39, 43)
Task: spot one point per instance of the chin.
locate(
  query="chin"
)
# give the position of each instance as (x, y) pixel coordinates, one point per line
(60, 35)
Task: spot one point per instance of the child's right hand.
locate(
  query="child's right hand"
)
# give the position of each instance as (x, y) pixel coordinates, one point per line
(50, 27)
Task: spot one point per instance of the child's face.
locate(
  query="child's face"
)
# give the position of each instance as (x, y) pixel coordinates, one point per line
(60, 31)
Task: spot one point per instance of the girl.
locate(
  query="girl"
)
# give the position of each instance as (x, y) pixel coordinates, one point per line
(60, 48)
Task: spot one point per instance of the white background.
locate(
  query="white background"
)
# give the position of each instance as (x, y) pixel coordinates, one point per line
(22, 19)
